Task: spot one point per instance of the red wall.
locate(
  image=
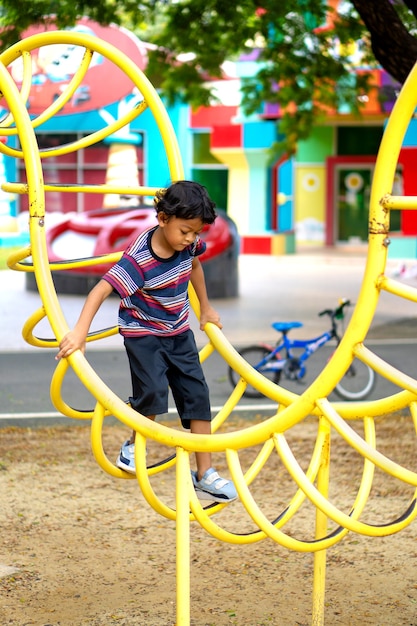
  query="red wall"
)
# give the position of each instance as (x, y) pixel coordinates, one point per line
(408, 159)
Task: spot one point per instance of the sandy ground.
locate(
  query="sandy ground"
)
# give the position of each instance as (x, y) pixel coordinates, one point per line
(79, 547)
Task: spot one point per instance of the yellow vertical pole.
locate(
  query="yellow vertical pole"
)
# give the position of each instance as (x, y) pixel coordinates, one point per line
(183, 479)
(319, 580)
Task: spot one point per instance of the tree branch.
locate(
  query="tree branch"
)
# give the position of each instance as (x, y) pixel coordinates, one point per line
(393, 46)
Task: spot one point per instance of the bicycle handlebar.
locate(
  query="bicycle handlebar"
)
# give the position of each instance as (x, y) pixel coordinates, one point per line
(336, 313)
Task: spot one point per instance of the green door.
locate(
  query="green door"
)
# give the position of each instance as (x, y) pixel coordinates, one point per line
(353, 191)
(352, 202)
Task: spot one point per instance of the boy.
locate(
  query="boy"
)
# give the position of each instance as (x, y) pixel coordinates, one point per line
(152, 280)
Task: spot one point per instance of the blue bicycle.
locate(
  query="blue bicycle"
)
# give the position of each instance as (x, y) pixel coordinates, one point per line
(289, 356)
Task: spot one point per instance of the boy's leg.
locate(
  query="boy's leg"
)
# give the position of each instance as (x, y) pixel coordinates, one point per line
(207, 482)
(191, 395)
(133, 435)
(203, 459)
(149, 388)
(126, 458)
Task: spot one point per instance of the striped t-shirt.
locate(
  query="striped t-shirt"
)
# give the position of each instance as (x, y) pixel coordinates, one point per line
(153, 291)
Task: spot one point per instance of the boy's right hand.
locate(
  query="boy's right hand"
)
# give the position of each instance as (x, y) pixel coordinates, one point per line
(70, 343)
(75, 339)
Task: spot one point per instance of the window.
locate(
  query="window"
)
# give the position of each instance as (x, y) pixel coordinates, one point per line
(86, 166)
(208, 170)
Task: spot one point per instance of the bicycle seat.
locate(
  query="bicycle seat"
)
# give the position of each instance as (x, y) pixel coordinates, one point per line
(283, 327)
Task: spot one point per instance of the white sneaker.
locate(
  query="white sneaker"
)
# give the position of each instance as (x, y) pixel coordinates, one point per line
(213, 487)
(126, 458)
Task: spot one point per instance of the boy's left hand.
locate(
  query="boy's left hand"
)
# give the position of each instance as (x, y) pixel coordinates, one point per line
(209, 315)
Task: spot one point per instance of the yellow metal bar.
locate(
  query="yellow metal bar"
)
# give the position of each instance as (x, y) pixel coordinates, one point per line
(183, 490)
(368, 467)
(94, 44)
(35, 186)
(262, 522)
(56, 394)
(398, 289)
(385, 369)
(70, 264)
(243, 368)
(7, 121)
(206, 351)
(53, 108)
(22, 188)
(66, 96)
(319, 576)
(348, 522)
(13, 260)
(42, 342)
(228, 407)
(399, 202)
(364, 449)
(96, 437)
(265, 526)
(83, 142)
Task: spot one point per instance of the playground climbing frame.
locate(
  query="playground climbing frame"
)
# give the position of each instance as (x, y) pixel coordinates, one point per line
(310, 484)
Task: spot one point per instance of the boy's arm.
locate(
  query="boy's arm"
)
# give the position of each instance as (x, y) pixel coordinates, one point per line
(207, 313)
(75, 339)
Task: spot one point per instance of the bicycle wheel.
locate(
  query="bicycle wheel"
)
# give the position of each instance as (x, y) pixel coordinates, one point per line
(357, 383)
(254, 355)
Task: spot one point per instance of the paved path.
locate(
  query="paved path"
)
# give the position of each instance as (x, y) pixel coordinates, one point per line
(271, 288)
(294, 287)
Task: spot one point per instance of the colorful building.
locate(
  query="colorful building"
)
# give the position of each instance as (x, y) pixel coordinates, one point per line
(320, 195)
(317, 197)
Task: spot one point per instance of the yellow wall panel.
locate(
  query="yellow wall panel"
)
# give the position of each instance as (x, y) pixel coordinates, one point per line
(310, 203)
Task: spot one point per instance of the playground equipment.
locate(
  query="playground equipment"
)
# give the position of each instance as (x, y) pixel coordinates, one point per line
(311, 484)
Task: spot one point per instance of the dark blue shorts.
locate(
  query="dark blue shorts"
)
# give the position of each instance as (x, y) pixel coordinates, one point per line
(157, 363)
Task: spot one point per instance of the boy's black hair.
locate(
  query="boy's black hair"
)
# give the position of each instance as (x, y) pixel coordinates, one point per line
(187, 200)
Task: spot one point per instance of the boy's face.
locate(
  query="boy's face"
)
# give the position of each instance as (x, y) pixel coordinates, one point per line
(179, 232)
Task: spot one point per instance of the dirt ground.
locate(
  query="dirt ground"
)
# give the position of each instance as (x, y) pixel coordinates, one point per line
(79, 547)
